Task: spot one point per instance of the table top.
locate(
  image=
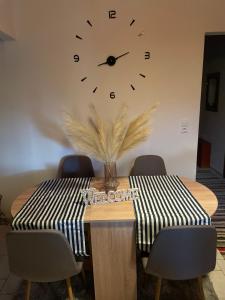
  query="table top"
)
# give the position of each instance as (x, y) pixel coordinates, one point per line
(124, 211)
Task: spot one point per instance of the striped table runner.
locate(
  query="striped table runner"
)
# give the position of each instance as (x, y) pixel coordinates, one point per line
(57, 204)
(163, 201)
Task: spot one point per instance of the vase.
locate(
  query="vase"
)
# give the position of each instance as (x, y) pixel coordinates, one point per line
(111, 182)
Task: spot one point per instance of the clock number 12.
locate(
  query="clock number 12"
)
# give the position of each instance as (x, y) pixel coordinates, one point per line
(112, 95)
(112, 14)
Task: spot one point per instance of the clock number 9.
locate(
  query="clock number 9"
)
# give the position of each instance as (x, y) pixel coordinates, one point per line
(112, 95)
(76, 58)
(147, 55)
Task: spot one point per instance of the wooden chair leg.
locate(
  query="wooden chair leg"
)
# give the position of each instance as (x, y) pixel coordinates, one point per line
(28, 288)
(202, 296)
(158, 288)
(69, 289)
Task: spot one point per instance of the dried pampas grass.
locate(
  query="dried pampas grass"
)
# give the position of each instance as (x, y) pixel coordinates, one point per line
(104, 141)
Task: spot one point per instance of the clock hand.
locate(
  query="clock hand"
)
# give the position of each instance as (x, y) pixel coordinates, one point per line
(111, 60)
(105, 63)
(122, 55)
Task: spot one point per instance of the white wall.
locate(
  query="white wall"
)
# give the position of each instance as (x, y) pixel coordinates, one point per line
(213, 123)
(39, 79)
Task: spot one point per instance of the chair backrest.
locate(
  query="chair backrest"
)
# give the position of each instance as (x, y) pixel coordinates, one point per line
(148, 165)
(41, 255)
(183, 252)
(75, 166)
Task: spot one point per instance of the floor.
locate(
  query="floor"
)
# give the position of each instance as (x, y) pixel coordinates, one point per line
(216, 183)
(218, 277)
(9, 283)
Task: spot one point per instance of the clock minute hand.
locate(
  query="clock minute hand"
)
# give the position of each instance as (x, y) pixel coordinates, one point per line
(122, 55)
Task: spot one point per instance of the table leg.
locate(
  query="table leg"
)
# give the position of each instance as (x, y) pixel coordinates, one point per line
(114, 260)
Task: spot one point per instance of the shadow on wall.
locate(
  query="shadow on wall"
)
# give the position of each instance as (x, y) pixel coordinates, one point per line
(53, 130)
(50, 128)
(14, 185)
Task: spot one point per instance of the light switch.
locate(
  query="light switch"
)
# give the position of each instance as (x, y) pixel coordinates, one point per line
(184, 126)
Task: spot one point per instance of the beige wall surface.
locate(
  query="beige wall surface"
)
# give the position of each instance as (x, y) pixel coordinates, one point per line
(6, 20)
(39, 79)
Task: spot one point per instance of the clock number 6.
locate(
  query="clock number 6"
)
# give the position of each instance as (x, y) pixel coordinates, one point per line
(147, 55)
(76, 58)
(112, 95)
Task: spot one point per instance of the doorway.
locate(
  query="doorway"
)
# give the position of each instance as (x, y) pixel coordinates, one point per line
(211, 144)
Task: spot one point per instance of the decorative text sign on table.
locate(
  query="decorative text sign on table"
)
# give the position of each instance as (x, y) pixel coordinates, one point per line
(93, 196)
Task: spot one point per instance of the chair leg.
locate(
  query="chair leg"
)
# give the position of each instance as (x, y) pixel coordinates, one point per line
(69, 289)
(202, 296)
(83, 277)
(28, 288)
(158, 288)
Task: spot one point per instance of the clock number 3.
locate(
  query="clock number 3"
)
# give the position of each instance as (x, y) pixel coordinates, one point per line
(112, 95)
(112, 14)
(76, 58)
(147, 55)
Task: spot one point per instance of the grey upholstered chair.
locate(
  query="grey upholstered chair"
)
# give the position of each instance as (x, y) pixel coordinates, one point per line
(148, 165)
(41, 256)
(182, 252)
(75, 166)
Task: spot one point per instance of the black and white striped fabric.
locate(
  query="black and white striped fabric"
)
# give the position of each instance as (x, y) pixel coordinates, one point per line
(163, 201)
(57, 204)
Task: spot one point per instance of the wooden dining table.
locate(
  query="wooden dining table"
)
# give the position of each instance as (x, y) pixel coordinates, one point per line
(113, 242)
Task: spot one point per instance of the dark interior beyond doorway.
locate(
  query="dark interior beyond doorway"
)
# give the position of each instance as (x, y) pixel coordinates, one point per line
(212, 113)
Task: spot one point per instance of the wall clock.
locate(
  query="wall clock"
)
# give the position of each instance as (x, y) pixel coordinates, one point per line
(112, 59)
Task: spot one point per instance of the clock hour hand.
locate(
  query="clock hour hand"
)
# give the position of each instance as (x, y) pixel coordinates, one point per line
(105, 63)
(122, 55)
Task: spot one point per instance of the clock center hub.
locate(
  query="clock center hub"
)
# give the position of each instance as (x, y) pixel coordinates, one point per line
(111, 60)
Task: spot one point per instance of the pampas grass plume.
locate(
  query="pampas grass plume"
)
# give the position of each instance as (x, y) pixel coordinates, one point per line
(104, 141)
